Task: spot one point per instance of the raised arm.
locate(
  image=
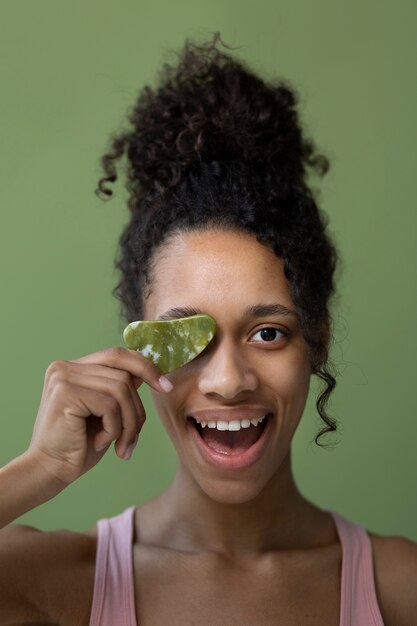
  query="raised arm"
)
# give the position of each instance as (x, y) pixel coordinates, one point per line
(86, 404)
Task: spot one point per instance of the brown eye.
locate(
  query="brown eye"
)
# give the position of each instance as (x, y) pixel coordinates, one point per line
(270, 334)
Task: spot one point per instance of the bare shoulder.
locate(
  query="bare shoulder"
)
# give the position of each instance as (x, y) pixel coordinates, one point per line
(395, 566)
(46, 575)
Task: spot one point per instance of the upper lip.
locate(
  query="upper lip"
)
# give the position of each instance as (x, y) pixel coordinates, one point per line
(230, 413)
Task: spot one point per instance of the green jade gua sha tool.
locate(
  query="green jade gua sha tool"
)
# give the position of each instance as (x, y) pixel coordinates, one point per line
(169, 344)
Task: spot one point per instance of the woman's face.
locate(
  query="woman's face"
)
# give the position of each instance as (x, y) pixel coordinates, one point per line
(223, 273)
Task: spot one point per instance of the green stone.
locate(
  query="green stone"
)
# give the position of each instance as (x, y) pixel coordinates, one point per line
(169, 344)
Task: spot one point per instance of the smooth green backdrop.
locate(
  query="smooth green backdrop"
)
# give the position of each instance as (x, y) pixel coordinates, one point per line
(69, 73)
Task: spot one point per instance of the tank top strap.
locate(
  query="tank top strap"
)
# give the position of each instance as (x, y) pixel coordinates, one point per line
(358, 603)
(114, 595)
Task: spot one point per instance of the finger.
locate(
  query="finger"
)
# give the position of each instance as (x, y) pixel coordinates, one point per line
(60, 370)
(131, 361)
(112, 373)
(131, 420)
(89, 402)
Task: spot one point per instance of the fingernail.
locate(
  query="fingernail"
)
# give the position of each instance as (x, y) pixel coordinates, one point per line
(165, 384)
(100, 448)
(130, 449)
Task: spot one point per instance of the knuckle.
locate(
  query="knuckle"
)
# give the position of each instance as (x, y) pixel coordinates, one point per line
(115, 352)
(54, 367)
(59, 380)
(60, 387)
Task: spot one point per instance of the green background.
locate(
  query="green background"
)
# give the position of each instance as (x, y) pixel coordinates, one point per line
(69, 73)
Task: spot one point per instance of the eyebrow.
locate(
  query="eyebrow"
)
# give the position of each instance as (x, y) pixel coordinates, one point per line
(256, 310)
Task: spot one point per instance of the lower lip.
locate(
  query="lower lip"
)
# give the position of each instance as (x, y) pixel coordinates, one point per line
(233, 461)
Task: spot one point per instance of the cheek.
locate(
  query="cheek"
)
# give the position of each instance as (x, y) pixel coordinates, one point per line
(161, 405)
(291, 380)
(164, 409)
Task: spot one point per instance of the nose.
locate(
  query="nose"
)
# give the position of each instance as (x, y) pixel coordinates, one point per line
(226, 372)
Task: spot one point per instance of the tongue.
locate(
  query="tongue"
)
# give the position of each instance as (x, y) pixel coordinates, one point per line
(231, 441)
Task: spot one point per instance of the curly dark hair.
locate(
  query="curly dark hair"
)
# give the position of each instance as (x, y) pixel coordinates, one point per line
(215, 146)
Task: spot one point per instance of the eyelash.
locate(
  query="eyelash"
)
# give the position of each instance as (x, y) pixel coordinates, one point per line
(283, 333)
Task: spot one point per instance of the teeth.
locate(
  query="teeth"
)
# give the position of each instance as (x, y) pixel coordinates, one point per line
(232, 425)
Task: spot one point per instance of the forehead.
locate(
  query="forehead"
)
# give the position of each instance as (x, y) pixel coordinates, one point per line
(213, 270)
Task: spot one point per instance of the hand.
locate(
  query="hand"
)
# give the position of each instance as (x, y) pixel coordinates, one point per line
(86, 404)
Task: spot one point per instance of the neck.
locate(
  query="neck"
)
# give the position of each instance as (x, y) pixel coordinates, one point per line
(279, 517)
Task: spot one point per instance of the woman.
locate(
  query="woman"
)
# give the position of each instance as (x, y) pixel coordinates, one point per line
(222, 222)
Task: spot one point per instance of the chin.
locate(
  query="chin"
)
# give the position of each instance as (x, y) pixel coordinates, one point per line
(232, 491)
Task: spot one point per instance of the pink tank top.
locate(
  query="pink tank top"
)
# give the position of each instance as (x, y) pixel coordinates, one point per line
(114, 596)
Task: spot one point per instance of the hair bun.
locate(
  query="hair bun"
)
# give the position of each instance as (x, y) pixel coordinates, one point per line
(208, 107)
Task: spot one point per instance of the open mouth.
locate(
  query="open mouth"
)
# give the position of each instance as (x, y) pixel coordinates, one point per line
(230, 442)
